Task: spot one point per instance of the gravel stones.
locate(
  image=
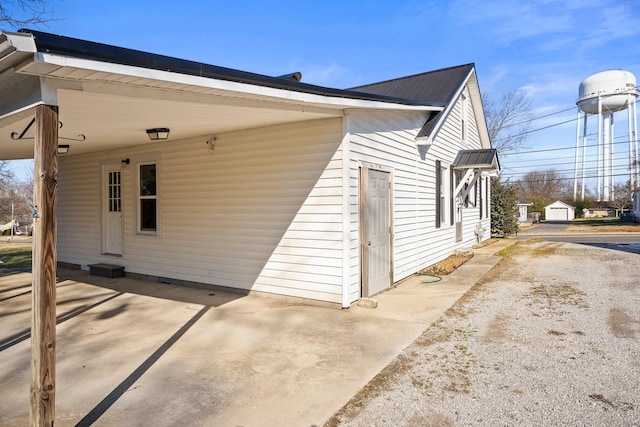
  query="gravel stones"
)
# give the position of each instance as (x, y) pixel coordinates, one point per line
(551, 337)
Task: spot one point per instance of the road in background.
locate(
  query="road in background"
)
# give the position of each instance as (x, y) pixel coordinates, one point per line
(555, 232)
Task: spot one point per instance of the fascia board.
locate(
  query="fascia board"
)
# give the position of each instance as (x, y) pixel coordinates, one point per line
(52, 62)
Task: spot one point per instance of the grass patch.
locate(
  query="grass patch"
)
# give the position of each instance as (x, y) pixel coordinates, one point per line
(531, 247)
(15, 255)
(602, 225)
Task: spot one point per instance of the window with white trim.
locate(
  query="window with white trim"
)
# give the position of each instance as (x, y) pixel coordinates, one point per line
(463, 118)
(444, 193)
(148, 203)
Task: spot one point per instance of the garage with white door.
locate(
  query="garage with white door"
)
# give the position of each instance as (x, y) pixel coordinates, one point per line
(559, 211)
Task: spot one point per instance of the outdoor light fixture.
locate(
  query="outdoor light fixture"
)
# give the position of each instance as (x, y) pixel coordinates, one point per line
(63, 148)
(156, 134)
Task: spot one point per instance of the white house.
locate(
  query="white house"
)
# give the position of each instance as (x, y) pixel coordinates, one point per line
(262, 183)
(559, 211)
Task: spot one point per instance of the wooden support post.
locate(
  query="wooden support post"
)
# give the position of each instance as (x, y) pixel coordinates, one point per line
(43, 308)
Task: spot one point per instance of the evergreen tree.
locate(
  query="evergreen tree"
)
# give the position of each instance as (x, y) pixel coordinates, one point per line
(504, 209)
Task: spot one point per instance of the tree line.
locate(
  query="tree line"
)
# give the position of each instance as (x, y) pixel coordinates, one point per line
(15, 197)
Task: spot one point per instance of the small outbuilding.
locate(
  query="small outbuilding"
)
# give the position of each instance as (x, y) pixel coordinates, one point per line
(523, 210)
(559, 211)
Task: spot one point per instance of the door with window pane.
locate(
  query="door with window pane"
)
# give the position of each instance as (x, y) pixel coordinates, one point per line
(112, 241)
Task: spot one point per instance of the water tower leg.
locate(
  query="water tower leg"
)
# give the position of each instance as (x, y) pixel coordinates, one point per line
(632, 167)
(600, 147)
(612, 162)
(575, 164)
(635, 141)
(584, 153)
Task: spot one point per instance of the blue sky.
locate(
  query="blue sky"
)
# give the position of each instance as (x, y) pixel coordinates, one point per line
(546, 47)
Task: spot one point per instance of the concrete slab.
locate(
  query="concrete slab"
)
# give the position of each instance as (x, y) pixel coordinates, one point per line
(131, 352)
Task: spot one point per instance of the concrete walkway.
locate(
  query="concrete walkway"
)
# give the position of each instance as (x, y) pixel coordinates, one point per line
(139, 353)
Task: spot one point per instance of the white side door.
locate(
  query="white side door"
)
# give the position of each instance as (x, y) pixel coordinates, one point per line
(112, 205)
(377, 235)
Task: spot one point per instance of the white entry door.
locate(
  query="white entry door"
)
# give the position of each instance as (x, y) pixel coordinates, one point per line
(112, 233)
(376, 236)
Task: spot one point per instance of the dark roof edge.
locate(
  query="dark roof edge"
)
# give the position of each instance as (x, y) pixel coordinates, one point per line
(78, 48)
(469, 65)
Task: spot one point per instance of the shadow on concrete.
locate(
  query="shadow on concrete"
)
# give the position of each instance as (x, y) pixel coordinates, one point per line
(633, 248)
(25, 334)
(187, 292)
(128, 382)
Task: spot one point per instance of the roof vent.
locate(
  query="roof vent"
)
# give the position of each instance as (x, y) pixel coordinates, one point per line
(296, 77)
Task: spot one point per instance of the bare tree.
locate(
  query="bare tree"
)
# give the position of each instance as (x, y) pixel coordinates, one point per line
(18, 13)
(5, 174)
(542, 188)
(508, 119)
(624, 196)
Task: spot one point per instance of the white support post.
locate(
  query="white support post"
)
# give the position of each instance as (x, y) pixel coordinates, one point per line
(466, 176)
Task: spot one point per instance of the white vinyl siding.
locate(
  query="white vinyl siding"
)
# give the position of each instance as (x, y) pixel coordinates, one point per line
(263, 211)
(388, 139)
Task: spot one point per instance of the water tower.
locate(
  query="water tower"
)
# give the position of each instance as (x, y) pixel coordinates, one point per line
(601, 95)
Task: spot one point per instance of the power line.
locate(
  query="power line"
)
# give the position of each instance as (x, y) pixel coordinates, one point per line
(548, 115)
(539, 117)
(558, 149)
(565, 178)
(587, 169)
(535, 130)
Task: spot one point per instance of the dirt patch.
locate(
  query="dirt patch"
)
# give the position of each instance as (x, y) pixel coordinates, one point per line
(621, 324)
(448, 265)
(533, 247)
(625, 406)
(497, 328)
(553, 297)
(485, 243)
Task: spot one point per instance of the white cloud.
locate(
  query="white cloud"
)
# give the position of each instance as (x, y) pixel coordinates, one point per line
(511, 20)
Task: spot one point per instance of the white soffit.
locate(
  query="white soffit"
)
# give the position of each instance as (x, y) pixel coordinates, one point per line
(69, 68)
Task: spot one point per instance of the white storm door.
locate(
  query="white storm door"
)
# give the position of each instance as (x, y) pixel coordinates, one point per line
(113, 210)
(377, 236)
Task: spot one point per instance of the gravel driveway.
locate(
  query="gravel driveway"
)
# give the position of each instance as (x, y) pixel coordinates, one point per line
(550, 338)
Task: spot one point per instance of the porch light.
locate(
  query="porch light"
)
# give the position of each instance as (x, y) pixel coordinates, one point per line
(156, 134)
(63, 148)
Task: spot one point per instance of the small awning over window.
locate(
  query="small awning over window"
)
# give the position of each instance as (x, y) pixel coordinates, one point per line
(484, 160)
(474, 163)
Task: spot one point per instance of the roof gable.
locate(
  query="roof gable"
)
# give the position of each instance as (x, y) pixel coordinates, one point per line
(559, 204)
(439, 85)
(444, 86)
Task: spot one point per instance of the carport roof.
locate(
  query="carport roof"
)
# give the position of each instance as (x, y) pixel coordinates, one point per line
(111, 95)
(77, 48)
